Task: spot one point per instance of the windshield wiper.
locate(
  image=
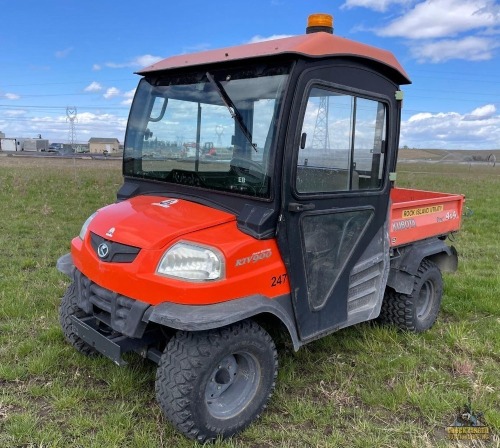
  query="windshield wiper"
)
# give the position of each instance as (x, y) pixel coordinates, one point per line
(235, 113)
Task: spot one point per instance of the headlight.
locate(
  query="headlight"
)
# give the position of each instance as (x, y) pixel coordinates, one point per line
(85, 226)
(192, 262)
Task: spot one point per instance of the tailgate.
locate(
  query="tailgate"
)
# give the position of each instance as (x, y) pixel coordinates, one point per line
(417, 215)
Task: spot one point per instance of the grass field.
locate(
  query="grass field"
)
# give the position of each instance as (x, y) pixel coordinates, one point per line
(365, 386)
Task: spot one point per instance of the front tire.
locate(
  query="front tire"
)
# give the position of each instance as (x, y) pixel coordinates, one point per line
(67, 309)
(417, 311)
(215, 383)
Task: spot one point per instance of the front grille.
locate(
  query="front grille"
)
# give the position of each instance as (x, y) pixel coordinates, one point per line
(121, 313)
(116, 252)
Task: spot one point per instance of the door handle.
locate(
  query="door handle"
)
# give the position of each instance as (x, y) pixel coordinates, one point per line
(296, 207)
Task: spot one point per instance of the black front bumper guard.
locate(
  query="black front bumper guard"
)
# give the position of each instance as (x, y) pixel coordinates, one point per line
(114, 345)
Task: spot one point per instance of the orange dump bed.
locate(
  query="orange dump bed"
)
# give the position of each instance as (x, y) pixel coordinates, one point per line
(417, 215)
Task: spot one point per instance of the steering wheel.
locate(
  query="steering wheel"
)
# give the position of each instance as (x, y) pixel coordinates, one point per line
(243, 188)
(241, 164)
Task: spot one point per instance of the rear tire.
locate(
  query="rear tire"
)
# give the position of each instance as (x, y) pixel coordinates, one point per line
(215, 383)
(67, 309)
(417, 311)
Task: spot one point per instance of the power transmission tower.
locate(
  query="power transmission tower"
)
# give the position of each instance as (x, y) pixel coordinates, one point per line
(219, 130)
(72, 118)
(321, 139)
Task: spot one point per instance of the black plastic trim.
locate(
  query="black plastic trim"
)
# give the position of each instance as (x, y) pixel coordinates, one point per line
(405, 265)
(207, 317)
(121, 313)
(115, 345)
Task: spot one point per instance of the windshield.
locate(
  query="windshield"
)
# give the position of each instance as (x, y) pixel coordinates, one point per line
(212, 130)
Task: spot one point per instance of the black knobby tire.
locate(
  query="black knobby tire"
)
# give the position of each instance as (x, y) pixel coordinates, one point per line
(417, 311)
(214, 383)
(67, 309)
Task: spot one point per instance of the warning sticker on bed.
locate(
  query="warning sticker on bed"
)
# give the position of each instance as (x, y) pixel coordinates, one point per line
(422, 211)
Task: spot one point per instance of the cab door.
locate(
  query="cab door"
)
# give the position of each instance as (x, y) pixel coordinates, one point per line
(333, 231)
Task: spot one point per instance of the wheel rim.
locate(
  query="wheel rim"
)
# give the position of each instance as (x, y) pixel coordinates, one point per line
(232, 385)
(425, 299)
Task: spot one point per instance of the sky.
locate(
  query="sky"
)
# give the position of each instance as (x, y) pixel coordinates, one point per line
(60, 58)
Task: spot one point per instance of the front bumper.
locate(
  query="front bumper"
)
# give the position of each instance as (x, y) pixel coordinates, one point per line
(130, 318)
(122, 314)
(114, 345)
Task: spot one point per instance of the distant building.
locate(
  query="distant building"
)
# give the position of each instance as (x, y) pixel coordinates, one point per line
(99, 145)
(23, 144)
(2, 135)
(35, 144)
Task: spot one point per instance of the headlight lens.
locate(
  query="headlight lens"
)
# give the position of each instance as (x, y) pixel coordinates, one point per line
(192, 262)
(85, 226)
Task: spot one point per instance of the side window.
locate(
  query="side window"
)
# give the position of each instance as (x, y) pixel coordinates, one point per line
(342, 143)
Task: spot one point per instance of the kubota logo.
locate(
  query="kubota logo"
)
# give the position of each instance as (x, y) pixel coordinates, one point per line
(255, 257)
(103, 250)
(167, 203)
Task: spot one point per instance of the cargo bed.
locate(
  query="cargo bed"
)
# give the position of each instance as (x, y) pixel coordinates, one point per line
(417, 215)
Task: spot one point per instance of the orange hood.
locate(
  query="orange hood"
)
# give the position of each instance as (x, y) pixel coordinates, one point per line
(150, 222)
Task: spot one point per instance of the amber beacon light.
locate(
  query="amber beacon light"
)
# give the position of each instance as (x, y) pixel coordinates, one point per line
(319, 22)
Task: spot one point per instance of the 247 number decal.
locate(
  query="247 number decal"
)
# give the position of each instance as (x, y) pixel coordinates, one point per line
(279, 280)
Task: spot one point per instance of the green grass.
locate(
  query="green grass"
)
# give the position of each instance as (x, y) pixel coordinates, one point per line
(365, 386)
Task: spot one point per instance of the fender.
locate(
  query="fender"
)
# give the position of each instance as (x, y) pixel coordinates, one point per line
(405, 265)
(207, 317)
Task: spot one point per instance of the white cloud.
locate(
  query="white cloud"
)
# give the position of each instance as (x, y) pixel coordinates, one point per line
(376, 5)
(63, 53)
(129, 96)
(86, 118)
(436, 29)
(258, 38)
(12, 96)
(101, 125)
(482, 113)
(490, 32)
(419, 117)
(15, 112)
(444, 18)
(111, 92)
(138, 61)
(93, 87)
(469, 48)
(96, 67)
(451, 130)
(55, 128)
(147, 59)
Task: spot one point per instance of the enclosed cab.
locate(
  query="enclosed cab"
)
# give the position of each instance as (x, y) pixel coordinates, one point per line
(284, 222)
